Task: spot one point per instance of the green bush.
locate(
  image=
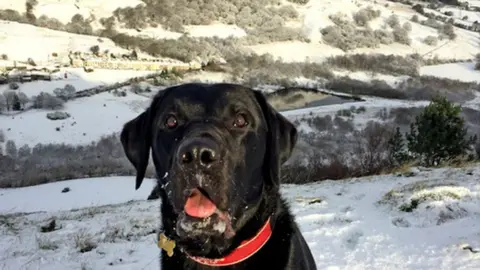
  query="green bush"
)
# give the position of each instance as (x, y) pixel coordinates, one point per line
(438, 133)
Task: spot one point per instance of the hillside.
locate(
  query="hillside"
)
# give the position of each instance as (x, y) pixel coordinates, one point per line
(298, 27)
(350, 224)
(92, 72)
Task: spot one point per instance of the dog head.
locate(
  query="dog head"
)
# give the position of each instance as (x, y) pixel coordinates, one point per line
(219, 148)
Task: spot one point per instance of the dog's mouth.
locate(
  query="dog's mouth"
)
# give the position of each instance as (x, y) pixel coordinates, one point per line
(199, 204)
(201, 216)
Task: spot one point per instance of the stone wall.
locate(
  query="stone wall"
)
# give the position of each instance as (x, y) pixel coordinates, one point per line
(132, 65)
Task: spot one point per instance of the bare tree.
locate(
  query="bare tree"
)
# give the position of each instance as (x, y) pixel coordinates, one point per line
(24, 151)
(11, 149)
(66, 93)
(23, 98)
(9, 98)
(3, 103)
(52, 102)
(371, 147)
(47, 101)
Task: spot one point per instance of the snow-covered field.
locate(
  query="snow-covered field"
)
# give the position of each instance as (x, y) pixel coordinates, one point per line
(64, 10)
(22, 41)
(456, 71)
(91, 118)
(86, 192)
(381, 222)
(473, 3)
(313, 16)
(80, 79)
(104, 114)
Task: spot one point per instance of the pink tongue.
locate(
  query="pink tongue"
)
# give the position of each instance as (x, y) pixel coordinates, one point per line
(199, 206)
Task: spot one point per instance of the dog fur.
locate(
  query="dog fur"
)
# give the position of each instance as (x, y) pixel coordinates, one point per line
(242, 175)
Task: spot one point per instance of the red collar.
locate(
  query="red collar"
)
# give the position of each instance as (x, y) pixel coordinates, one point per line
(246, 249)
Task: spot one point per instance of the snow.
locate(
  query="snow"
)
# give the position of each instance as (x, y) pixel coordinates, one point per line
(216, 29)
(151, 32)
(314, 16)
(369, 103)
(348, 224)
(474, 103)
(91, 118)
(106, 114)
(473, 3)
(391, 80)
(22, 41)
(64, 10)
(313, 52)
(213, 30)
(208, 77)
(80, 79)
(456, 71)
(459, 14)
(101, 191)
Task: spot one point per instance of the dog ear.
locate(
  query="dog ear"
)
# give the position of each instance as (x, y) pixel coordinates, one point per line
(136, 138)
(281, 136)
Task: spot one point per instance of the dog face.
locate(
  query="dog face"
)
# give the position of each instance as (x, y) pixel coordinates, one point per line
(218, 148)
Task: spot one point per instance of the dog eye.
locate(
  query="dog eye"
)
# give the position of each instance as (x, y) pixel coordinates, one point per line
(171, 121)
(240, 121)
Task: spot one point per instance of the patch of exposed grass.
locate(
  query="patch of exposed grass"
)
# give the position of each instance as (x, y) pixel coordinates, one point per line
(440, 193)
(46, 244)
(409, 207)
(8, 222)
(84, 242)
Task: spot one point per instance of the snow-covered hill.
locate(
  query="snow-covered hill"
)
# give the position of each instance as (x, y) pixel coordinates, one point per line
(64, 10)
(312, 17)
(316, 14)
(381, 222)
(104, 114)
(91, 118)
(22, 41)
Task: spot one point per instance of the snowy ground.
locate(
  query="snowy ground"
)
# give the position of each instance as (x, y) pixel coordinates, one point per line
(456, 71)
(64, 10)
(20, 199)
(103, 114)
(80, 79)
(381, 222)
(91, 118)
(312, 17)
(22, 41)
(473, 3)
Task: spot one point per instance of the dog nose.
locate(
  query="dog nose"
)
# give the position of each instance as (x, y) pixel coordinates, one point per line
(199, 151)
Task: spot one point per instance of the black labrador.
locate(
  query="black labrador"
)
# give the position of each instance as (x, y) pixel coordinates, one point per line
(217, 151)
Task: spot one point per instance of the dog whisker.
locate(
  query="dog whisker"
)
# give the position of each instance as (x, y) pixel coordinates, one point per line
(164, 185)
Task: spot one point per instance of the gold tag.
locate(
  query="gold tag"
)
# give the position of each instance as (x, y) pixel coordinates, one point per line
(166, 244)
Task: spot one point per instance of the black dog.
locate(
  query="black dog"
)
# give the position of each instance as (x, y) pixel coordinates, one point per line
(217, 149)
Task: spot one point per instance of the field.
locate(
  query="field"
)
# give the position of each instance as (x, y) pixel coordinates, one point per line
(349, 224)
